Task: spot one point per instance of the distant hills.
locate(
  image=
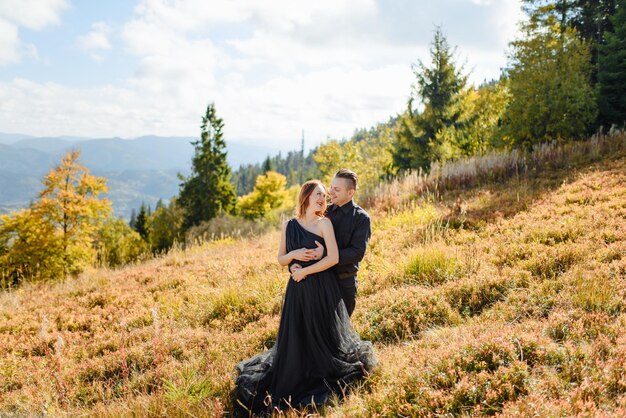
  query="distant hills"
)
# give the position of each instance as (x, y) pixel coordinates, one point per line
(141, 169)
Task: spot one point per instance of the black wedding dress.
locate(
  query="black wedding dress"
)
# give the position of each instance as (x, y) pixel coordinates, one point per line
(317, 352)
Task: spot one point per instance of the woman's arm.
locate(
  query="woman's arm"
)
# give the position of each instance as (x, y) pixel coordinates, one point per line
(284, 257)
(332, 253)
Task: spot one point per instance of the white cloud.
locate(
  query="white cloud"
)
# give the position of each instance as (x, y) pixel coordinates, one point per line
(196, 15)
(273, 68)
(32, 14)
(96, 41)
(9, 42)
(274, 112)
(173, 67)
(324, 103)
(277, 80)
(99, 111)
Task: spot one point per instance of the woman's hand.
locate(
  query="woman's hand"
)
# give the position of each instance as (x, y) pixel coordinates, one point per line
(303, 254)
(298, 275)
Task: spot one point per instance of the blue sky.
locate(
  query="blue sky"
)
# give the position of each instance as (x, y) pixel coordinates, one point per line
(273, 68)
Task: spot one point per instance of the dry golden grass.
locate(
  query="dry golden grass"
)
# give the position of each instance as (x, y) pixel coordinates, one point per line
(506, 298)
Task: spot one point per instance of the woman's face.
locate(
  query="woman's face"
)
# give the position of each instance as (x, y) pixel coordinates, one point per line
(317, 199)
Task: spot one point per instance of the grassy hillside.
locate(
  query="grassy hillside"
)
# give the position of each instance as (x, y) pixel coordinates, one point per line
(500, 298)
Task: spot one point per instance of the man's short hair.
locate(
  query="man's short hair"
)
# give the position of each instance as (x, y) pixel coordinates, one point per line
(349, 175)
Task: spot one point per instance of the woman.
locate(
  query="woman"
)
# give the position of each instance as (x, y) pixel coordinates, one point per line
(317, 352)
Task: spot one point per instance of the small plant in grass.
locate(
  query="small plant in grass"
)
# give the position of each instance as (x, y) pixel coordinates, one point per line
(430, 266)
(434, 230)
(596, 291)
(189, 385)
(54, 357)
(234, 310)
(157, 347)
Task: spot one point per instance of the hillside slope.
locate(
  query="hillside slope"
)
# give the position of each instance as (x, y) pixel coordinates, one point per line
(505, 298)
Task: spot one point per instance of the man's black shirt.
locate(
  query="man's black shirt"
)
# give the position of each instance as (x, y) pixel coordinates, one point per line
(353, 229)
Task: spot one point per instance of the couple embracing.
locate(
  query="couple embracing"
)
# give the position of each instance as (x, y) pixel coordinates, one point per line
(317, 352)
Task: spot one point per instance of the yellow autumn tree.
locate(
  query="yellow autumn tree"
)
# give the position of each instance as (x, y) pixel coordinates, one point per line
(69, 202)
(368, 153)
(54, 237)
(29, 249)
(269, 193)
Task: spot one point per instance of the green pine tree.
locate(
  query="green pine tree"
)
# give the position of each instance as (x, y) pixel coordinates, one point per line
(141, 222)
(612, 72)
(591, 22)
(267, 165)
(431, 135)
(208, 190)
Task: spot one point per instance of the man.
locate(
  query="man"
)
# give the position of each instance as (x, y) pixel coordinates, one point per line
(353, 229)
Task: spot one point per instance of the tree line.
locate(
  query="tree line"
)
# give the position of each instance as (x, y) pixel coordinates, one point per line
(295, 166)
(565, 78)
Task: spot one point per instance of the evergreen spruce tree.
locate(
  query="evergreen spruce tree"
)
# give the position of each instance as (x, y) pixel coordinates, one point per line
(430, 135)
(591, 22)
(267, 165)
(590, 18)
(141, 222)
(612, 71)
(208, 190)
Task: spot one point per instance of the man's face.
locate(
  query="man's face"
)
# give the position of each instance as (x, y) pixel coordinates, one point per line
(340, 192)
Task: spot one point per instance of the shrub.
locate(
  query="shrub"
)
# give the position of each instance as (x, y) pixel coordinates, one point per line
(479, 377)
(536, 301)
(552, 262)
(234, 310)
(471, 296)
(269, 193)
(165, 226)
(552, 235)
(430, 266)
(578, 326)
(399, 314)
(119, 244)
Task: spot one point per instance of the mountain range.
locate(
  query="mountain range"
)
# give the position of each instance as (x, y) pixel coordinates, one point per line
(137, 170)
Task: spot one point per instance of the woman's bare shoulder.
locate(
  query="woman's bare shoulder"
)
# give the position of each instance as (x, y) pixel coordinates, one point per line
(325, 222)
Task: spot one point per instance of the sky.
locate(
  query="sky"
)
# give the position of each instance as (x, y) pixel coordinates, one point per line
(273, 68)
